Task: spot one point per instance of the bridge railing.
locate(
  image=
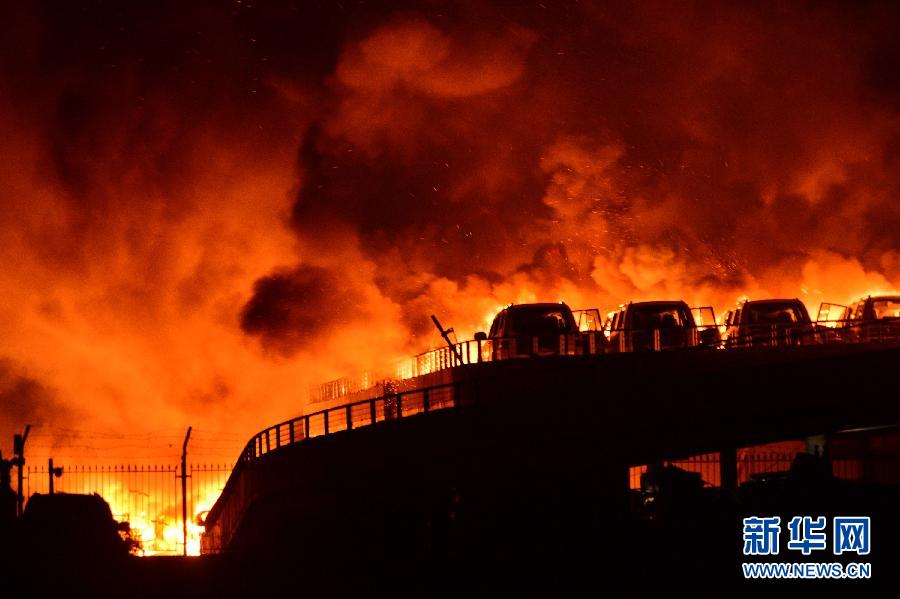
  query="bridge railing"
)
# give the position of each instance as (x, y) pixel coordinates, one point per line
(391, 406)
(640, 339)
(855, 331)
(822, 332)
(621, 340)
(351, 416)
(753, 335)
(474, 351)
(239, 492)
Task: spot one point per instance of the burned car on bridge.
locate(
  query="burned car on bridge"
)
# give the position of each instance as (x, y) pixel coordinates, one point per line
(869, 319)
(770, 323)
(541, 329)
(660, 325)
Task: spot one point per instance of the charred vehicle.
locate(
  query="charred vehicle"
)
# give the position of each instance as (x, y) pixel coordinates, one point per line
(546, 329)
(660, 325)
(869, 319)
(770, 323)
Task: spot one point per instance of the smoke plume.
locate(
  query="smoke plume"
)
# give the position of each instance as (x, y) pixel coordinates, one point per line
(208, 208)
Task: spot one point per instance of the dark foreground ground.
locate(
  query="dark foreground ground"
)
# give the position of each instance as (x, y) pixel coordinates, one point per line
(529, 548)
(523, 491)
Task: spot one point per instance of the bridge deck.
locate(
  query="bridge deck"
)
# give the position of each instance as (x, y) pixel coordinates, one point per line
(580, 421)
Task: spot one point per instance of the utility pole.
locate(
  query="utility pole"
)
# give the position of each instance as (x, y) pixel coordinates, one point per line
(19, 462)
(184, 488)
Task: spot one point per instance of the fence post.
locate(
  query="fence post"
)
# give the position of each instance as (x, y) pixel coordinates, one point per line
(325, 415)
(349, 417)
(425, 399)
(277, 436)
(306, 427)
(291, 432)
(399, 405)
(373, 416)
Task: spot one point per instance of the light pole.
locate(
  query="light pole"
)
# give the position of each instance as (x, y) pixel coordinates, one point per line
(184, 488)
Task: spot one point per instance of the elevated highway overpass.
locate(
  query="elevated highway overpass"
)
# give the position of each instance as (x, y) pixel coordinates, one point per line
(545, 438)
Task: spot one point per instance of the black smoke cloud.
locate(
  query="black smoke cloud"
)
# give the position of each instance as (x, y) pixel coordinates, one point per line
(326, 297)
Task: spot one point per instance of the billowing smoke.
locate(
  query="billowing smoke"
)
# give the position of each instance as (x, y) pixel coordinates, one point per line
(207, 209)
(605, 154)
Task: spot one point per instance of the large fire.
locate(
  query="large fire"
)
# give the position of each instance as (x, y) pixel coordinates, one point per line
(160, 532)
(203, 219)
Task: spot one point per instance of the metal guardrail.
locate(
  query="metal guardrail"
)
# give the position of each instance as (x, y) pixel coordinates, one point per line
(392, 406)
(627, 340)
(351, 416)
(623, 340)
(360, 414)
(475, 351)
(755, 335)
(855, 331)
(823, 332)
(593, 343)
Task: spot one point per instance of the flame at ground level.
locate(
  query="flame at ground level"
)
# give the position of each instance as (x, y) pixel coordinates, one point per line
(160, 531)
(147, 497)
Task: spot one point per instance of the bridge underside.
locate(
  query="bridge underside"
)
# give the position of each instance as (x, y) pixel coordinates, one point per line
(527, 479)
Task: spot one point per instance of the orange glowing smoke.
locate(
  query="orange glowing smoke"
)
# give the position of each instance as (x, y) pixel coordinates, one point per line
(206, 213)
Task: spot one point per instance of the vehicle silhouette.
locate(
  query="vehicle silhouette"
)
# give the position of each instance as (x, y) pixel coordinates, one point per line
(770, 323)
(530, 330)
(870, 318)
(658, 325)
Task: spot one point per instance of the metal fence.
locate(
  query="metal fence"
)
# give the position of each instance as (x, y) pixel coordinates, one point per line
(752, 463)
(619, 340)
(585, 343)
(148, 497)
(350, 416)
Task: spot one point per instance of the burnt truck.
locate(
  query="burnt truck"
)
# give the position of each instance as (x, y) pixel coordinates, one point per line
(541, 329)
(770, 323)
(660, 325)
(869, 319)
